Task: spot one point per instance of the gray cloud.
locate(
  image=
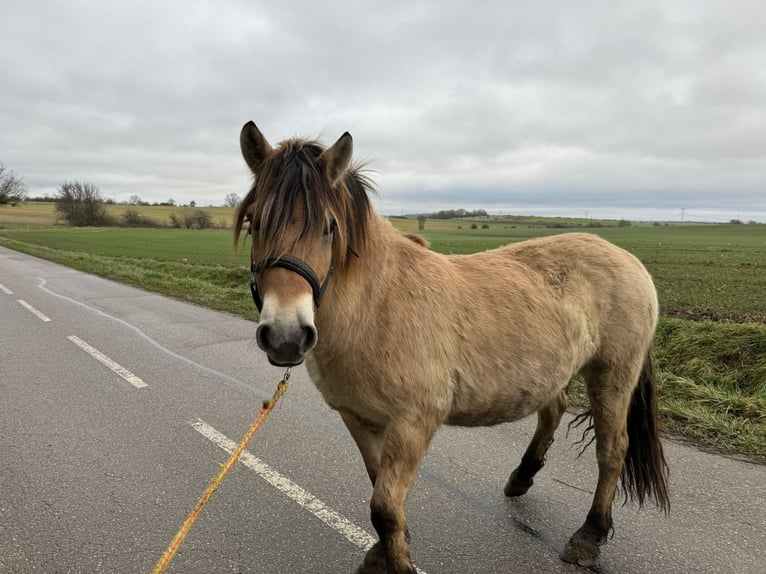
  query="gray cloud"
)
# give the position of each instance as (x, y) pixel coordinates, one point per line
(626, 109)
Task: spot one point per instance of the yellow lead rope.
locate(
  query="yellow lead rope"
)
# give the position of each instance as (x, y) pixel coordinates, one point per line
(268, 406)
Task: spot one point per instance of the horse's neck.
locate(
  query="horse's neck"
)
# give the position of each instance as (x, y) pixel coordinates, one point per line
(365, 277)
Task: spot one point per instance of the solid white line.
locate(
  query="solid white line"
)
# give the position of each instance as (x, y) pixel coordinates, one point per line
(103, 359)
(39, 314)
(5, 289)
(342, 525)
(330, 517)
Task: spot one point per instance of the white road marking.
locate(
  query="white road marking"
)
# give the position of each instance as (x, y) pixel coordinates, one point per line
(5, 289)
(103, 359)
(330, 517)
(39, 314)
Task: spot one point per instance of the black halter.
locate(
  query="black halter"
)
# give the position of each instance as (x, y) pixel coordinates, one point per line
(295, 265)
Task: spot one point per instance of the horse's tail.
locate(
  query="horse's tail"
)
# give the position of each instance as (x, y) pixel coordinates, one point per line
(645, 472)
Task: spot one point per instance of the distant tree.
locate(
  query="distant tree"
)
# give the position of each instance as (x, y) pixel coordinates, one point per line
(623, 223)
(192, 203)
(171, 201)
(735, 221)
(134, 200)
(81, 204)
(232, 200)
(421, 222)
(12, 188)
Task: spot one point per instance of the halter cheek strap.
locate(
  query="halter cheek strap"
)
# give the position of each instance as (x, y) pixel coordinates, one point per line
(295, 265)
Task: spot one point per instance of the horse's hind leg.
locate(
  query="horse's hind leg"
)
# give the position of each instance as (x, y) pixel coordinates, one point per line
(548, 419)
(609, 391)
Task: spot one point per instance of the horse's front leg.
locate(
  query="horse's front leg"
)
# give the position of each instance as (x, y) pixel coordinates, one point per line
(369, 438)
(405, 444)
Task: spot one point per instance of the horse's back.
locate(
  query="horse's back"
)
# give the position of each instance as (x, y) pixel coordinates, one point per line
(578, 265)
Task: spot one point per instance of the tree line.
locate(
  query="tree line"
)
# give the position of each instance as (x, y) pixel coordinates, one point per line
(458, 214)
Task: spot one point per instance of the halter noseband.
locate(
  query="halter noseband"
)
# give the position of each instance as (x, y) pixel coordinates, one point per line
(294, 264)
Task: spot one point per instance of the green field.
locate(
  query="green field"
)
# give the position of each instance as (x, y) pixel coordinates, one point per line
(711, 280)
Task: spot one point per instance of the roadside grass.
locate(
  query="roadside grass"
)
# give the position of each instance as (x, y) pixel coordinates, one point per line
(712, 372)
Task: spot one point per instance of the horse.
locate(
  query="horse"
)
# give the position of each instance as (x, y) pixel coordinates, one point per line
(400, 340)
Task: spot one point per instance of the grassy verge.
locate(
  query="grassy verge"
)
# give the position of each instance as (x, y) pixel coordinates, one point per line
(712, 384)
(713, 373)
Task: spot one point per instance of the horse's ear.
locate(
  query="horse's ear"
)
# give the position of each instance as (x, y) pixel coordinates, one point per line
(254, 146)
(337, 157)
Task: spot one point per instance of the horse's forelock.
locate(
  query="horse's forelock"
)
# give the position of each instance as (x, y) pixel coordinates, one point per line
(294, 176)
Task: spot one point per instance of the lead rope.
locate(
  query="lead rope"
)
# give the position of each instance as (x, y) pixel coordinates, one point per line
(268, 406)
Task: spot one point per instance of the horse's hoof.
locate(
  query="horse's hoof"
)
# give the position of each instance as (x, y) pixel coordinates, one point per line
(366, 568)
(580, 552)
(374, 561)
(517, 486)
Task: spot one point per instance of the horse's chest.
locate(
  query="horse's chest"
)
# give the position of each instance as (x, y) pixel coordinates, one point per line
(350, 393)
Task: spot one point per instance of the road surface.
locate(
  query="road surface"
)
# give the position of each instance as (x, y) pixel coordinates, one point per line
(118, 404)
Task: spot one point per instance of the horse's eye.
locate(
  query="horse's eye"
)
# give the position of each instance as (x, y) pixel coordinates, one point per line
(330, 228)
(249, 223)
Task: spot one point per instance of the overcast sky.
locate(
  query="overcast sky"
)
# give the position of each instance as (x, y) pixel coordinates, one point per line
(620, 109)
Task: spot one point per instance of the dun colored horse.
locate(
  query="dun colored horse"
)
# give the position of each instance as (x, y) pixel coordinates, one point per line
(400, 340)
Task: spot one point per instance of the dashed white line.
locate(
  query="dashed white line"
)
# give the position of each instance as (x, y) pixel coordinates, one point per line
(39, 314)
(5, 289)
(103, 359)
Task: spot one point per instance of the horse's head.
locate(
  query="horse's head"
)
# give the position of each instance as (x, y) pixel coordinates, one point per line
(300, 214)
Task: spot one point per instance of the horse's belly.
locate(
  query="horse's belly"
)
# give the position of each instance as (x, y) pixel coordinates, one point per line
(496, 410)
(490, 404)
(490, 415)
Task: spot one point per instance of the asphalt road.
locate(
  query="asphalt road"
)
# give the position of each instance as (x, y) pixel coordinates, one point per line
(102, 462)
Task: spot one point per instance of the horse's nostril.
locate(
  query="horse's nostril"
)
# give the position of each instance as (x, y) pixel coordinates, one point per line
(262, 335)
(309, 338)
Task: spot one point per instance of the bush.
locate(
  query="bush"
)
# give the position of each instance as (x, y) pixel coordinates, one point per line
(202, 219)
(133, 218)
(80, 204)
(197, 219)
(176, 221)
(12, 188)
(485, 225)
(474, 226)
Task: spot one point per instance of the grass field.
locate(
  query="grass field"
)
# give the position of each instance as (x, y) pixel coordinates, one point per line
(44, 213)
(711, 342)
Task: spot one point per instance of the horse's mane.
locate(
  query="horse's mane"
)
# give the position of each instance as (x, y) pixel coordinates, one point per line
(294, 175)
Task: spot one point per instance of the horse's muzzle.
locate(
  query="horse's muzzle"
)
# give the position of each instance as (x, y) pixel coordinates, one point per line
(286, 347)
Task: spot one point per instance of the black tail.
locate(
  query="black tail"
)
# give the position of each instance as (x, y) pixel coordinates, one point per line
(645, 472)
